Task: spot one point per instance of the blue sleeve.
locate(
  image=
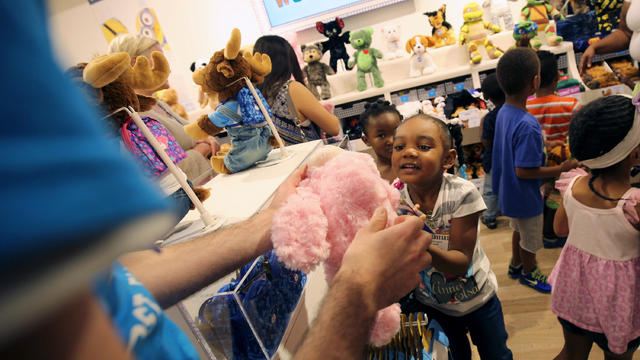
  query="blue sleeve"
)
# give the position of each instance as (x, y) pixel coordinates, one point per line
(528, 149)
(62, 183)
(488, 125)
(219, 119)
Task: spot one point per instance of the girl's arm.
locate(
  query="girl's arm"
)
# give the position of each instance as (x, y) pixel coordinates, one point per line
(462, 242)
(310, 108)
(560, 222)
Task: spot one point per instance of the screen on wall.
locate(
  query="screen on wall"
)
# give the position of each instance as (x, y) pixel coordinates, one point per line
(303, 13)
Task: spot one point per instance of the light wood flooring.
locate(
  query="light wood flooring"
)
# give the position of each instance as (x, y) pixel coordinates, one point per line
(534, 331)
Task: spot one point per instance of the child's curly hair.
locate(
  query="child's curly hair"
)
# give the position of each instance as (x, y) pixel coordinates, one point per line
(374, 109)
(597, 128)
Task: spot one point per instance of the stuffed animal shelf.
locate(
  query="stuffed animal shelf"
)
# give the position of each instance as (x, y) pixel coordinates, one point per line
(474, 33)
(541, 12)
(109, 82)
(317, 223)
(315, 72)
(366, 58)
(238, 111)
(335, 43)
(442, 33)
(421, 61)
(391, 35)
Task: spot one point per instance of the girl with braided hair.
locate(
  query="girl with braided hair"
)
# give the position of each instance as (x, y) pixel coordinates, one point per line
(379, 122)
(596, 281)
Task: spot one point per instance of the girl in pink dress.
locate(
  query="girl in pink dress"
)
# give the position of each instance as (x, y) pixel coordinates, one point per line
(596, 281)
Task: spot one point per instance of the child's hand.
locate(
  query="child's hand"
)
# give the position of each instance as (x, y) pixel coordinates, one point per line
(569, 164)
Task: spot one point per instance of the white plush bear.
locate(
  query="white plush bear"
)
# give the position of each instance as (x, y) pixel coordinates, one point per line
(392, 39)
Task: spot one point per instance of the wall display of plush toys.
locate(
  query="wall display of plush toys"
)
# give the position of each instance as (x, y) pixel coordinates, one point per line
(474, 33)
(238, 112)
(442, 33)
(365, 58)
(315, 72)
(541, 12)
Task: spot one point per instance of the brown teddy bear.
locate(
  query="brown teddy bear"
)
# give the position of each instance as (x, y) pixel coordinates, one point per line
(315, 72)
(170, 96)
(109, 82)
(251, 136)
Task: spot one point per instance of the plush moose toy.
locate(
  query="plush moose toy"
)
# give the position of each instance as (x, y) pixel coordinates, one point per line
(238, 111)
(317, 223)
(335, 44)
(109, 82)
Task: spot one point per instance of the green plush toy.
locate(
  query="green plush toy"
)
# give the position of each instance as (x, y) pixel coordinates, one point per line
(365, 58)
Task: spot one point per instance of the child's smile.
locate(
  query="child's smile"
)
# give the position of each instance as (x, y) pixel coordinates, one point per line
(419, 155)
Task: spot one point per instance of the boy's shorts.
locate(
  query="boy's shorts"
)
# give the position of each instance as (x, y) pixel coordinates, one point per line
(530, 230)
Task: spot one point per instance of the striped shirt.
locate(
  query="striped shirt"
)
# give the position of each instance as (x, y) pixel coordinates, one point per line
(554, 114)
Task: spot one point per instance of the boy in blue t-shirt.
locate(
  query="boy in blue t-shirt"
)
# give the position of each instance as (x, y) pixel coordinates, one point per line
(518, 164)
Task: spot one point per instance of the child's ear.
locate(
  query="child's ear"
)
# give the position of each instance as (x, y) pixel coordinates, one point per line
(365, 139)
(536, 83)
(449, 159)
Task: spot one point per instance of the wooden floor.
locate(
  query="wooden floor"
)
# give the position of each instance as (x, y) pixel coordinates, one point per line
(534, 332)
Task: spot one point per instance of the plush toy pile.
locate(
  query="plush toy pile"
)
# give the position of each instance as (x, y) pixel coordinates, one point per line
(317, 223)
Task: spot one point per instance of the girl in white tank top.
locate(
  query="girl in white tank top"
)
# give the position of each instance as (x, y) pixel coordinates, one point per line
(596, 281)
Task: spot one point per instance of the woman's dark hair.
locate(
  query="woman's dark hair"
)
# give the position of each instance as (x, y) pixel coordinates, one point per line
(374, 109)
(284, 63)
(597, 128)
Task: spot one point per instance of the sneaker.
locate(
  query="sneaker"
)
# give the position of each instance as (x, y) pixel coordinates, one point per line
(536, 280)
(553, 243)
(515, 271)
(490, 223)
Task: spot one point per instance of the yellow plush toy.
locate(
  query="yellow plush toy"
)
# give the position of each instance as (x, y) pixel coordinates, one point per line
(474, 33)
(170, 96)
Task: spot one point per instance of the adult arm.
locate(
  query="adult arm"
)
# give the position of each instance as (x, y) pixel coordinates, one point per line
(560, 221)
(180, 270)
(462, 242)
(309, 107)
(544, 172)
(378, 268)
(616, 41)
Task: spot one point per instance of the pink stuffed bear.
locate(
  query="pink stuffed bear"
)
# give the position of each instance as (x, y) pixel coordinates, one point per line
(341, 191)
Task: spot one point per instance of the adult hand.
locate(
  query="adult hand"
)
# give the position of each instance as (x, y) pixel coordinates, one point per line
(585, 60)
(569, 164)
(384, 263)
(288, 187)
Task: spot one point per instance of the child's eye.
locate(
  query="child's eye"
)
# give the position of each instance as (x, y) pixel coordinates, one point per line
(424, 147)
(382, 136)
(398, 147)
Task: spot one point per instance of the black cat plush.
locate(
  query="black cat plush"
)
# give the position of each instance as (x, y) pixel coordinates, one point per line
(335, 44)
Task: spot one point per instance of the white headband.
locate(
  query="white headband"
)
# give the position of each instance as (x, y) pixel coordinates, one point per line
(622, 150)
